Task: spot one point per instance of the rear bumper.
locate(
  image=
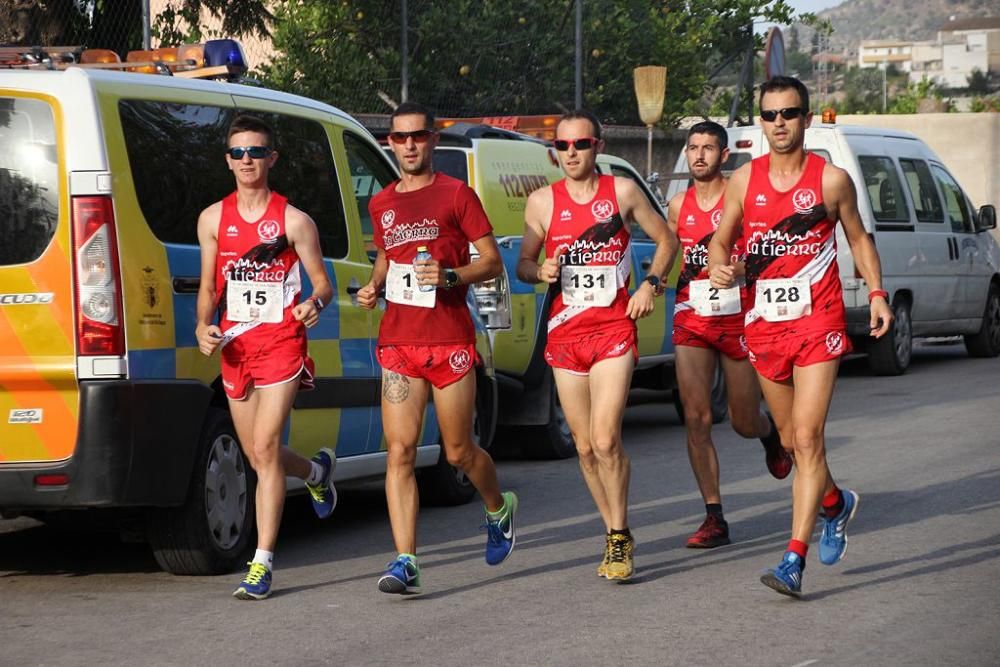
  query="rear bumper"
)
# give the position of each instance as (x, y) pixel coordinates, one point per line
(136, 447)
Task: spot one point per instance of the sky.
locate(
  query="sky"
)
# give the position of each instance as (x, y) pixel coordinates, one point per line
(813, 5)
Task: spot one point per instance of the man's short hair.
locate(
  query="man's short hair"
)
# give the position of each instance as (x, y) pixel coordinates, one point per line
(585, 115)
(779, 83)
(414, 109)
(712, 128)
(248, 123)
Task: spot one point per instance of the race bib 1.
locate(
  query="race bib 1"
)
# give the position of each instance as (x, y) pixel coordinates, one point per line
(589, 285)
(253, 301)
(710, 301)
(401, 287)
(783, 299)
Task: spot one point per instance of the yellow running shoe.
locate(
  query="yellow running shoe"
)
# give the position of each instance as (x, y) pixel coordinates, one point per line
(602, 569)
(620, 548)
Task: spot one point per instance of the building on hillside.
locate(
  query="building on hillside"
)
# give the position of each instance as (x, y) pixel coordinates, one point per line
(961, 46)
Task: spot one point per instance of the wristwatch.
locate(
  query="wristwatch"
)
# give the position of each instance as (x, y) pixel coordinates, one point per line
(653, 280)
(318, 302)
(450, 278)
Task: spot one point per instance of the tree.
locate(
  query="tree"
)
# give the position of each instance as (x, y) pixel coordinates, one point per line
(471, 58)
(793, 39)
(979, 83)
(117, 24)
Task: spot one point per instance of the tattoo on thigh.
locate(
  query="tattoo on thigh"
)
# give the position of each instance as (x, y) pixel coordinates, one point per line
(395, 387)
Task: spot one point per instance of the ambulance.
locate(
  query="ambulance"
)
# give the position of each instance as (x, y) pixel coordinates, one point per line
(106, 403)
(940, 263)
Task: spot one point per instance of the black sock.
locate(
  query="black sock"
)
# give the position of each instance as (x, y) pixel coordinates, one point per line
(773, 438)
(714, 509)
(624, 531)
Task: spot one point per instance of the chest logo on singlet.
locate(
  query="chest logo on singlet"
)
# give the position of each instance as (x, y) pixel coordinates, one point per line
(716, 218)
(387, 218)
(690, 220)
(565, 214)
(459, 360)
(803, 200)
(602, 209)
(761, 199)
(268, 230)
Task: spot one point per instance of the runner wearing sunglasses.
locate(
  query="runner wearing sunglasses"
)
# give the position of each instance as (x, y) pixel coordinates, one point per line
(787, 204)
(708, 331)
(582, 221)
(253, 248)
(426, 344)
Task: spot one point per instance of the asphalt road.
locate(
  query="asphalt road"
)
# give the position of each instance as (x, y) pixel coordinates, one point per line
(920, 584)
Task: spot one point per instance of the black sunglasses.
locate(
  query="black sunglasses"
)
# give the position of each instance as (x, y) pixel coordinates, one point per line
(256, 152)
(581, 144)
(787, 113)
(419, 136)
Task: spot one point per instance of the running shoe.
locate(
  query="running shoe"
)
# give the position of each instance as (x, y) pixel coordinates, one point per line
(602, 569)
(620, 548)
(833, 542)
(787, 577)
(713, 532)
(324, 494)
(256, 585)
(779, 461)
(402, 577)
(500, 535)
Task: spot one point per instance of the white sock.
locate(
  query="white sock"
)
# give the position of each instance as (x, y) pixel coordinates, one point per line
(265, 558)
(316, 475)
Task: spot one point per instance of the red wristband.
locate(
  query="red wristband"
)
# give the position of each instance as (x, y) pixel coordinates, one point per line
(877, 292)
(318, 302)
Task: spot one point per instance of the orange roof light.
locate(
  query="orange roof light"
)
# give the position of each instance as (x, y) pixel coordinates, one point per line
(829, 115)
(141, 57)
(165, 55)
(95, 56)
(191, 54)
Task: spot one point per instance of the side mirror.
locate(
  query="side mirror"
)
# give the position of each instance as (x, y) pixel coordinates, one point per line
(987, 218)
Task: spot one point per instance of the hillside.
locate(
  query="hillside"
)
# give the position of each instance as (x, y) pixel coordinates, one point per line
(857, 20)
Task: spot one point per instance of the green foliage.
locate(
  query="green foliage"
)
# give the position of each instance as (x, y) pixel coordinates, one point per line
(471, 58)
(979, 82)
(985, 104)
(863, 90)
(909, 100)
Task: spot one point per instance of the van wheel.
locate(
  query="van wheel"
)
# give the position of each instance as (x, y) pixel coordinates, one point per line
(553, 440)
(445, 485)
(212, 531)
(720, 398)
(891, 354)
(986, 342)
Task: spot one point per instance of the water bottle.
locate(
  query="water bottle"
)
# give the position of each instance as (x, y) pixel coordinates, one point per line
(422, 256)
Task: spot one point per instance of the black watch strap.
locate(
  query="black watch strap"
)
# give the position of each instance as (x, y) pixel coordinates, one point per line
(652, 280)
(450, 278)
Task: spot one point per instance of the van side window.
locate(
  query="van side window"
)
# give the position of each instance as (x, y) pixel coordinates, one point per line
(954, 199)
(924, 194)
(176, 153)
(735, 160)
(885, 192)
(825, 154)
(305, 173)
(29, 183)
(370, 172)
(638, 233)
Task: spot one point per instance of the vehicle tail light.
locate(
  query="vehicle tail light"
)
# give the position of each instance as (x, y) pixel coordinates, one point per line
(52, 480)
(99, 327)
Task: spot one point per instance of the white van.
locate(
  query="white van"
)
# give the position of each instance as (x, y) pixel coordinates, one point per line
(940, 265)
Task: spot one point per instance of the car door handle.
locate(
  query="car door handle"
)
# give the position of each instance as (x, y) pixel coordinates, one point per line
(186, 285)
(646, 263)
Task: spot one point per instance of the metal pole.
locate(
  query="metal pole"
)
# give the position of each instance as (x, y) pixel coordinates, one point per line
(884, 86)
(404, 92)
(145, 25)
(649, 150)
(579, 54)
(746, 79)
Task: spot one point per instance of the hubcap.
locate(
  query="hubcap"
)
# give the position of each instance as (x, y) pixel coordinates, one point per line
(225, 491)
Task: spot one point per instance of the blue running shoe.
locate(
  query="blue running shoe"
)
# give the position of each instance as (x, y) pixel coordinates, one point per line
(256, 585)
(787, 577)
(833, 542)
(402, 577)
(324, 494)
(500, 536)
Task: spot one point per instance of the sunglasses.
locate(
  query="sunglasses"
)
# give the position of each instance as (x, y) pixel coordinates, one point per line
(418, 136)
(256, 152)
(581, 144)
(788, 113)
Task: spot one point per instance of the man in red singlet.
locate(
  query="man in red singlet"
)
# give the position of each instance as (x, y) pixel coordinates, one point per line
(252, 245)
(708, 329)
(583, 222)
(426, 341)
(787, 204)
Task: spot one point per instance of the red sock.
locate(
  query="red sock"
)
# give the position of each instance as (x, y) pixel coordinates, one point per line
(799, 548)
(833, 503)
